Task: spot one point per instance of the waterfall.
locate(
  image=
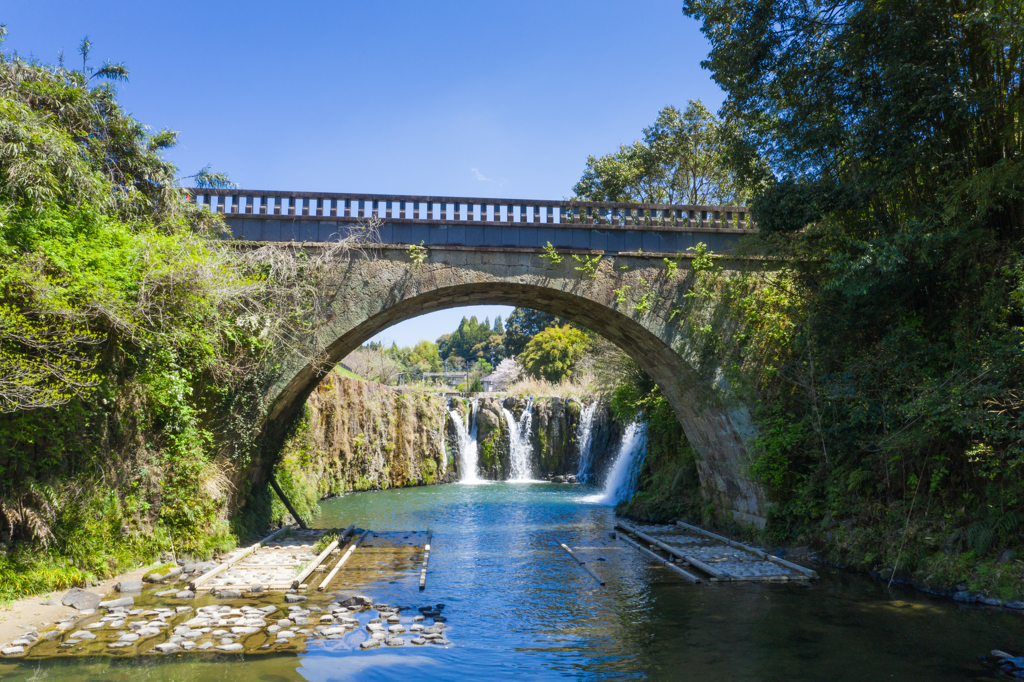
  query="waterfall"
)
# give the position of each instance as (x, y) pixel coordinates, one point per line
(583, 440)
(520, 451)
(467, 444)
(622, 479)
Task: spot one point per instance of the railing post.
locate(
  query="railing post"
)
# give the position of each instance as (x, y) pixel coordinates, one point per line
(387, 211)
(401, 210)
(375, 209)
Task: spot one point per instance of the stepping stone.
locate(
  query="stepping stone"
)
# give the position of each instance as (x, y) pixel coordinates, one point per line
(166, 648)
(396, 629)
(112, 604)
(204, 646)
(370, 644)
(394, 641)
(185, 594)
(166, 593)
(419, 641)
(294, 598)
(129, 586)
(82, 634)
(235, 646)
(244, 630)
(441, 641)
(12, 650)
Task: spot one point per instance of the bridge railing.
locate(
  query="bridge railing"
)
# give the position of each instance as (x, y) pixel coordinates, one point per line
(466, 210)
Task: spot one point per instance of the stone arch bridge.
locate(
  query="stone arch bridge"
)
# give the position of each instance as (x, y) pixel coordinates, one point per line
(486, 252)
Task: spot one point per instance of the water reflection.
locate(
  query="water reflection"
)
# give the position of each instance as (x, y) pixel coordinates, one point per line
(517, 606)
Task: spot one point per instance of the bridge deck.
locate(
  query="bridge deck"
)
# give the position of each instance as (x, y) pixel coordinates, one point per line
(258, 215)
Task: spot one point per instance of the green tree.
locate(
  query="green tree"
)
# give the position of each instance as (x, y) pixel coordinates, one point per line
(522, 325)
(683, 159)
(897, 142)
(499, 328)
(553, 353)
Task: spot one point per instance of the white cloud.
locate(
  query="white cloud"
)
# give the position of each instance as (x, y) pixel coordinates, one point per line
(480, 176)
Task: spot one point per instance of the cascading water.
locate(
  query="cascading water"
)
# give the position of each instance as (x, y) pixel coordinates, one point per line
(467, 444)
(520, 451)
(622, 479)
(583, 440)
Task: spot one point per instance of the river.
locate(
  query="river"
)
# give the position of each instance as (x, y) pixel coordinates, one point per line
(518, 606)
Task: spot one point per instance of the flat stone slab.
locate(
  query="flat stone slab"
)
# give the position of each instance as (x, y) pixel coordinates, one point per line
(116, 603)
(129, 586)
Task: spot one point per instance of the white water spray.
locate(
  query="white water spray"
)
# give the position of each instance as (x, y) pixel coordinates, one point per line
(468, 455)
(621, 481)
(583, 440)
(520, 451)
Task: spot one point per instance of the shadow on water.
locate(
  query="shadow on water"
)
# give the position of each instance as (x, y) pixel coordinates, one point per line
(518, 606)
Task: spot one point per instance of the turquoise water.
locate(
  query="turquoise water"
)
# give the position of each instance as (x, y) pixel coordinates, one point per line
(519, 607)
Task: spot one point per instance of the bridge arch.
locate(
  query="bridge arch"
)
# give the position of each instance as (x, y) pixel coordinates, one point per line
(381, 288)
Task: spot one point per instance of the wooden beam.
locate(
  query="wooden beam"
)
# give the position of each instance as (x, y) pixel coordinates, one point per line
(287, 503)
(341, 561)
(315, 562)
(689, 576)
(581, 562)
(426, 558)
(693, 561)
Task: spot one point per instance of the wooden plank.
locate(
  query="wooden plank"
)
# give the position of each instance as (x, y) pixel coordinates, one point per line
(689, 576)
(228, 564)
(426, 558)
(314, 563)
(693, 561)
(739, 545)
(341, 561)
(582, 563)
(287, 502)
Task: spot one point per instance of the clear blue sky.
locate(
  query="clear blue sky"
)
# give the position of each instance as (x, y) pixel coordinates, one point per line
(476, 99)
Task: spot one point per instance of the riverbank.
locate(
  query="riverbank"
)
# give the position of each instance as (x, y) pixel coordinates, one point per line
(42, 610)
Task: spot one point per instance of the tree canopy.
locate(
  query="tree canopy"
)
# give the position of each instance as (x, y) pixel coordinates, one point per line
(682, 159)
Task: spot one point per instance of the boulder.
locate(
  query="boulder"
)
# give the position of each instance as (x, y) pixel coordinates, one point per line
(80, 599)
(129, 586)
(228, 594)
(12, 651)
(294, 598)
(185, 594)
(357, 600)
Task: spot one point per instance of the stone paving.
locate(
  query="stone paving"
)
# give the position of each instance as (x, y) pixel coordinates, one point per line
(736, 562)
(275, 564)
(168, 619)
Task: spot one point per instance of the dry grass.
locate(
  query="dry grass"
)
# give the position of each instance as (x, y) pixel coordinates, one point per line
(580, 387)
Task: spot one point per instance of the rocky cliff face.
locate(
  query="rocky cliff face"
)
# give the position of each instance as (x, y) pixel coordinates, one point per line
(360, 435)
